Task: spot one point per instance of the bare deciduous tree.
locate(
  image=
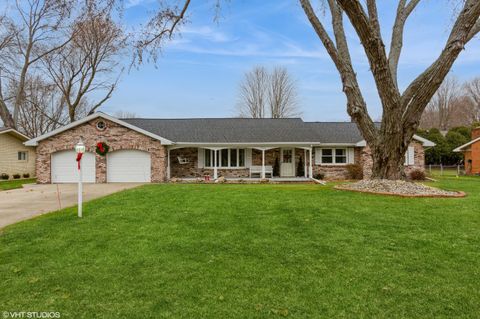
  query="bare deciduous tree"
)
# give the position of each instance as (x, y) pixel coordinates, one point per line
(453, 105)
(85, 65)
(43, 109)
(442, 106)
(125, 114)
(472, 89)
(268, 94)
(401, 110)
(253, 94)
(282, 94)
(36, 29)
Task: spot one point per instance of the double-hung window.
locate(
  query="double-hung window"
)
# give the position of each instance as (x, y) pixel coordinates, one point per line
(226, 158)
(333, 156)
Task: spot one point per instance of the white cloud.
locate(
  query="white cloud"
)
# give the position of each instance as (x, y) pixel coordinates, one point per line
(207, 33)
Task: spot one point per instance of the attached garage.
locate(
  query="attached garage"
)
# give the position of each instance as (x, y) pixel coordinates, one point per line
(64, 167)
(128, 166)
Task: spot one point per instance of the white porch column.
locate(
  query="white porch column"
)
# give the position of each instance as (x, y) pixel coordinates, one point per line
(305, 162)
(168, 165)
(215, 169)
(310, 167)
(263, 163)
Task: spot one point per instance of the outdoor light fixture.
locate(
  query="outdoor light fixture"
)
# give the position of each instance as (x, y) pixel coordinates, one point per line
(80, 149)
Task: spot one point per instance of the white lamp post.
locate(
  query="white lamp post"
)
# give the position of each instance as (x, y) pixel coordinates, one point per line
(80, 149)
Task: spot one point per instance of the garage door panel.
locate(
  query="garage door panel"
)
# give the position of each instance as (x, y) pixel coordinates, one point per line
(64, 167)
(128, 166)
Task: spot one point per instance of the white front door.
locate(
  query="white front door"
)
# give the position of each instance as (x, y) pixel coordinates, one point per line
(287, 162)
(128, 166)
(64, 167)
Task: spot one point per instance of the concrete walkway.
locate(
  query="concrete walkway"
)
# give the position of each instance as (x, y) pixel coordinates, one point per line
(34, 200)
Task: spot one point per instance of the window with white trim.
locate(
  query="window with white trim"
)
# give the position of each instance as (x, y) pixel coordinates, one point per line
(226, 158)
(22, 156)
(332, 156)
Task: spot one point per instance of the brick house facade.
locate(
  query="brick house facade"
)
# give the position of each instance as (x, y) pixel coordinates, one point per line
(116, 136)
(471, 153)
(179, 148)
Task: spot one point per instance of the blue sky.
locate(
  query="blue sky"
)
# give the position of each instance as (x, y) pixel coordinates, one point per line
(199, 72)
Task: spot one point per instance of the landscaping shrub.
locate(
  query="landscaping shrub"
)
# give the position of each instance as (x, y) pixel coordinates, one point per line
(417, 175)
(16, 176)
(26, 175)
(319, 176)
(4, 176)
(354, 171)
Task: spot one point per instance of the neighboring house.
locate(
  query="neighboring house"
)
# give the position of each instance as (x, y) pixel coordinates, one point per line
(155, 150)
(15, 158)
(471, 153)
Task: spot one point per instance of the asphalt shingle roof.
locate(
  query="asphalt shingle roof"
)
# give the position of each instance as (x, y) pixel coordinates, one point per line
(242, 130)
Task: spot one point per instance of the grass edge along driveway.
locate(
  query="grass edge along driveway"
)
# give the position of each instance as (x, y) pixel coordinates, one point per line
(15, 183)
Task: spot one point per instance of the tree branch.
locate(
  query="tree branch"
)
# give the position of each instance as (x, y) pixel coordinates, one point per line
(475, 30)
(321, 32)
(421, 90)
(161, 20)
(403, 12)
(356, 106)
(375, 51)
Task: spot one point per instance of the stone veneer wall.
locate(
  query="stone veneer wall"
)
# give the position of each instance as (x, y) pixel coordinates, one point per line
(335, 172)
(331, 172)
(191, 168)
(116, 136)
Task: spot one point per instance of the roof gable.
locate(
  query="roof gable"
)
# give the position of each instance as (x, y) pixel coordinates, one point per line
(34, 141)
(460, 148)
(11, 131)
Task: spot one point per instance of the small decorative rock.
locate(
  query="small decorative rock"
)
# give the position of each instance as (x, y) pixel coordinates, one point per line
(400, 188)
(173, 180)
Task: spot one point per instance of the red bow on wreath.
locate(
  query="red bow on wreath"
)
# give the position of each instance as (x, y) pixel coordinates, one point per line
(100, 147)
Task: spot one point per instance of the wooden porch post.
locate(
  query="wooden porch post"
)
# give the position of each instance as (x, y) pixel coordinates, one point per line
(263, 163)
(215, 169)
(310, 167)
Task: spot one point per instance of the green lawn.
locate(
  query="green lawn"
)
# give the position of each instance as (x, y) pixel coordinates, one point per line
(15, 183)
(249, 251)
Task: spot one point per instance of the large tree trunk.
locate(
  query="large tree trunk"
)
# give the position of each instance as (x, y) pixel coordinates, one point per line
(388, 159)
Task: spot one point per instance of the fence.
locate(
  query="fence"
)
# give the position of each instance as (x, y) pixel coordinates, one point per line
(445, 170)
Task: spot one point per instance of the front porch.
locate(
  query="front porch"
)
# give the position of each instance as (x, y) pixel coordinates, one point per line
(282, 163)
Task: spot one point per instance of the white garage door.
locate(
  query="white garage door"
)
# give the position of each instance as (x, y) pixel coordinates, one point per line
(128, 166)
(64, 167)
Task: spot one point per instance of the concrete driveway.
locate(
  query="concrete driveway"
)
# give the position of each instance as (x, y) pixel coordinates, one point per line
(34, 200)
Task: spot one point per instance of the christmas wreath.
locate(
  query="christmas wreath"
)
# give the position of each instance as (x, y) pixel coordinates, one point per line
(102, 148)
